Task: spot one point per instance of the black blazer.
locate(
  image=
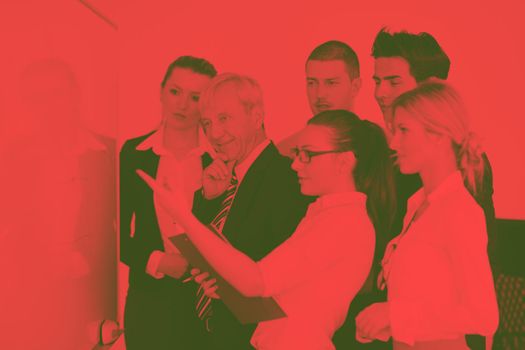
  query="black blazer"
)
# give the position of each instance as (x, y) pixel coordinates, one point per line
(265, 212)
(136, 198)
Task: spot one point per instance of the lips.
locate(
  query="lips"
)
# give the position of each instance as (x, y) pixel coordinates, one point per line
(398, 159)
(322, 106)
(221, 145)
(384, 104)
(179, 116)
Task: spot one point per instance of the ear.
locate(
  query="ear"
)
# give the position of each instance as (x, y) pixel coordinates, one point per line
(258, 115)
(347, 162)
(356, 85)
(439, 140)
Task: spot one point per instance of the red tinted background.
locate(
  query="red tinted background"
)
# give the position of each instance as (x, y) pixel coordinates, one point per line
(120, 70)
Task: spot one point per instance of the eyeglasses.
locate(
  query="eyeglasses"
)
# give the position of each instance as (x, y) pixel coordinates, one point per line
(305, 156)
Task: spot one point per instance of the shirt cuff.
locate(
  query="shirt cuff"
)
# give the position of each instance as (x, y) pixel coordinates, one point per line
(153, 264)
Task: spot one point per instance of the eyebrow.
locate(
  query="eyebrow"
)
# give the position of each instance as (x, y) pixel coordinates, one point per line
(331, 78)
(173, 85)
(388, 77)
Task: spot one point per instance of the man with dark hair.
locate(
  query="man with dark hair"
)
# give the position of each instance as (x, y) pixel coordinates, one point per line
(332, 81)
(159, 310)
(422, 52)
(332, 77)
(402, 61)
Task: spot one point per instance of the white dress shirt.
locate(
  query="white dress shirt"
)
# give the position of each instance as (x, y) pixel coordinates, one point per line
(439, 279)
(315, 274)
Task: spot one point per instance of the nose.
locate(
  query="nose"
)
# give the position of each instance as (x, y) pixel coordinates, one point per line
(394, 141)
(297, 164)
(183, 102)
(322, 90)
(311, 90)
(214, 132)
(381, 90)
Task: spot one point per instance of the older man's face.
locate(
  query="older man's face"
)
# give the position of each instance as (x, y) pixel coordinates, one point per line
(230, 128)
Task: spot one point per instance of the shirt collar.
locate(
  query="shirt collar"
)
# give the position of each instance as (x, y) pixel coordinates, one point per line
(451, 183)
(336, 200)
(242, 168)
(155, 142)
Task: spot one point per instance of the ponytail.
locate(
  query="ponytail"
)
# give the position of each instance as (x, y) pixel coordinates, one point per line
(373, 172)
(470, 162)
(373, 175)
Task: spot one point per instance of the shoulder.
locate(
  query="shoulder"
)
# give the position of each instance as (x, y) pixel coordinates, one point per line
(349, 221)
(278, 183)
(283, 179)
(273, 168)
(465, 217)
(278, 164)
(464, 205)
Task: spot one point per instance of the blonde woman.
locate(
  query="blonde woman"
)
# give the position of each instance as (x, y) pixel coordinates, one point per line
(439, 280)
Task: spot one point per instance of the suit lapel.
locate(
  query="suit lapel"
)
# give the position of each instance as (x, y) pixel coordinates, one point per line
(244, 199)
(149, 162)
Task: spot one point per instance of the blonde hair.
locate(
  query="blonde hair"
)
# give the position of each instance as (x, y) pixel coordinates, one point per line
(248, 91)
(440, 109)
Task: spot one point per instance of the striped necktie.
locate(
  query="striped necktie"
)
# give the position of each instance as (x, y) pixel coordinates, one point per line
(203, 306)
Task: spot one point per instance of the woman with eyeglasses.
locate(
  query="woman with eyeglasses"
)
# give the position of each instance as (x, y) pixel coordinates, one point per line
(439, 280)
(315, 274)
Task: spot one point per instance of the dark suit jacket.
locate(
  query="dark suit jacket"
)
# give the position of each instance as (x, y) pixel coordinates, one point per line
(265, 212)
(136, 198)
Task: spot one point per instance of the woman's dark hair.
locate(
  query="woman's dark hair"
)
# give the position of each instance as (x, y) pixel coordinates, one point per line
(373, 172)
(195, 64)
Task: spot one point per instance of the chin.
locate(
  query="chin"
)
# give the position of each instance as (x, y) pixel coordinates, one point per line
(308, 190)
(407, 169)
(178, 124)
